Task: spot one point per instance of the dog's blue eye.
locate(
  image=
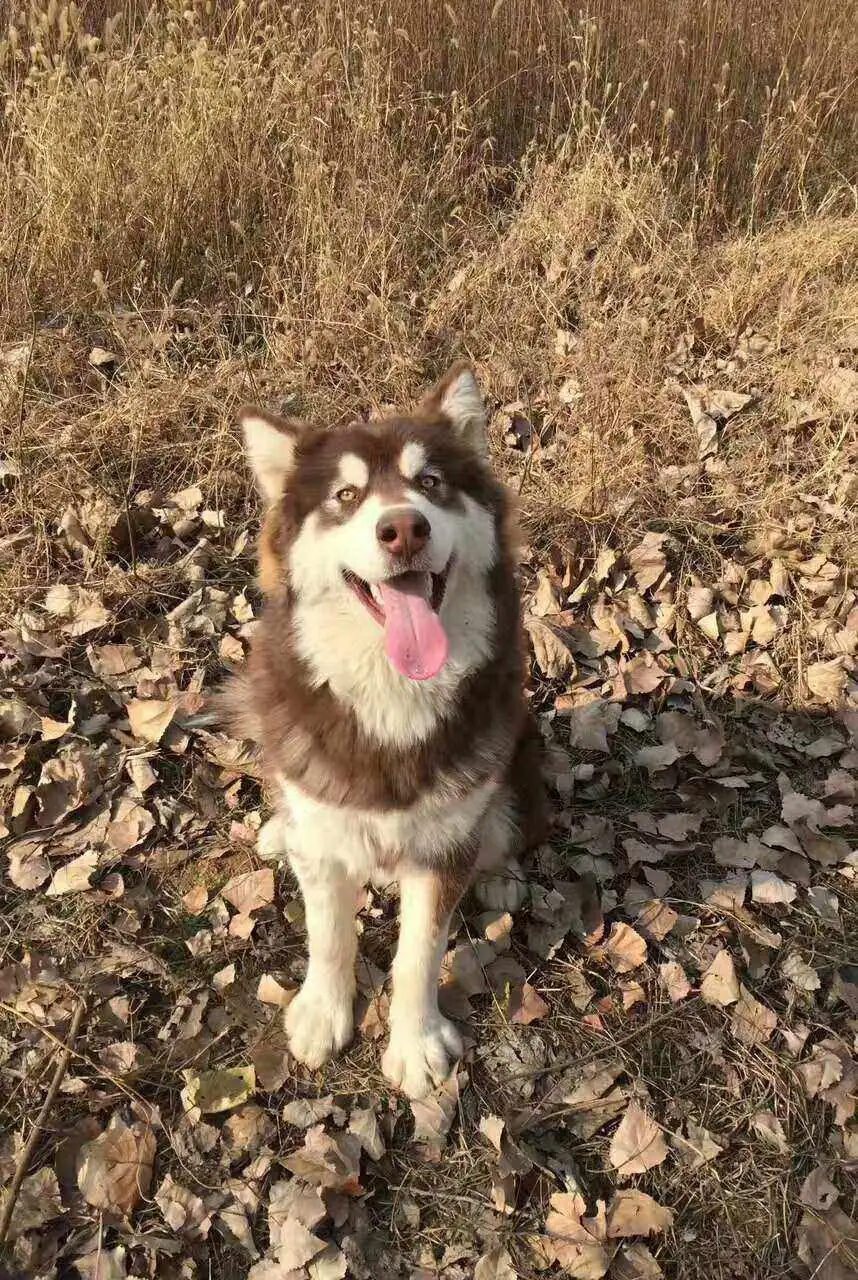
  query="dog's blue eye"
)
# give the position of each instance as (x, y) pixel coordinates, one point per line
(429, 481)
(346, 495)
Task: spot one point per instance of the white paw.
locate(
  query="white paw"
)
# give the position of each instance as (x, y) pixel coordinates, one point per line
(418, 1059)
(319, 1024)
(505, 890)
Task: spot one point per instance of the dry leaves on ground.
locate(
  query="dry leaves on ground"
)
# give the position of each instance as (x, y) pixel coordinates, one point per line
(638, 1144)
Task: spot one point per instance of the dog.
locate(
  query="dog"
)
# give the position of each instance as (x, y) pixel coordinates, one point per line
(385, 689)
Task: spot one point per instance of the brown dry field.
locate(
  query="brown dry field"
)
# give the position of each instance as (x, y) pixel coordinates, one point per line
(641, 225)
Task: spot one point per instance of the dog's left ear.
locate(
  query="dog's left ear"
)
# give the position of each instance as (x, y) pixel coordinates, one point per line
(457, 397)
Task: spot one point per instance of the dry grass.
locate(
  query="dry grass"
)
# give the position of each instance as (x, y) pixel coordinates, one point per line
(329, 205)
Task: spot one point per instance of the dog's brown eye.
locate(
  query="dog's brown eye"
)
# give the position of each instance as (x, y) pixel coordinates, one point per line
(429, 481)
(346, 495)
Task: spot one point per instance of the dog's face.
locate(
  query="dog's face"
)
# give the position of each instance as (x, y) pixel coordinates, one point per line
(379, 524)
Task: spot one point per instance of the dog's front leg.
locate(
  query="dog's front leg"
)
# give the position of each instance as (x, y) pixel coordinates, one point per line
(423, 1043)
(320, 1020)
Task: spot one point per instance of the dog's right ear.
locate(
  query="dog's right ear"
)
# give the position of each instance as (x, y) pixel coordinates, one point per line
(270, 443)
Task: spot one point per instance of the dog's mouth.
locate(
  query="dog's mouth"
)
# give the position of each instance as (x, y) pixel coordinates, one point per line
(407, 606)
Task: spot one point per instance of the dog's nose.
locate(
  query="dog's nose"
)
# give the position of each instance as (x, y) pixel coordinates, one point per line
(403, 533)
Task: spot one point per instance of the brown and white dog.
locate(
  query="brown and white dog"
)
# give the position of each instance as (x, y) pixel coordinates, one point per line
(385, 689)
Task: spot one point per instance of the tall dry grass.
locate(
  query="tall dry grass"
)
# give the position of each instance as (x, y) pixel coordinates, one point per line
(327, 202)
(200, 140)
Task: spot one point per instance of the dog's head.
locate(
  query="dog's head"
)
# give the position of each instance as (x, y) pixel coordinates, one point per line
(381, 524)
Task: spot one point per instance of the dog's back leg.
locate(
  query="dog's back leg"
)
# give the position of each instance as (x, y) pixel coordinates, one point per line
(517, 821)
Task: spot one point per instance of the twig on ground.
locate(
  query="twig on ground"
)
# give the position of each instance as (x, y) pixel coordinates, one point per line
(29, 1145)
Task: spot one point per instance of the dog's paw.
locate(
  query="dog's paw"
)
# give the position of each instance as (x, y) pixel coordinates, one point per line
(502, 891)
(418, 1059)
(319, 1024)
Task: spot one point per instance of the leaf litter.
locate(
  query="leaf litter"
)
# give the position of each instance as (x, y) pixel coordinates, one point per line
(693, 906)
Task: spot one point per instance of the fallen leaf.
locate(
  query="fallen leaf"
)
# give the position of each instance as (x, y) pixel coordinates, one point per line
(823, 1069)
(743, 854)
(682, 732)
(566, 1219)
(293, 1201)
(38, 1203)
(710, 625)
(826, 681)
(150, 718)
(654, 759)
(303, 1113)
(74, 876)
(184, 1211)
(634, 1213)
(330, 1264)
(526, 1005)
(28, 868)
(767, 1126)
(633, 993)
(674, 980)
(122, 1057)
(269, 991)
(728, 894)
(637, 1145)
(545, 598)
(297, 1246)
(825, 904)
(219, 1090)
(828, 1244)
(679, 826)
(194, 901)
(250, 891)
(553, 656)
(635, 1262)
(752, 1023)
(246, 1130)
(434, 1115)
(657, 919)
(590, 725)
(271, 1269)
(241, 926)
(817, 1190)
(768, 888)
(112, 659)
(496, 1265)
(719, 984)
(115, 1169)
(328, 1160)
(828, 851)
(643, 674)
(698, 1148)
(131, 824)
(81, 611)
(574, 1242)
(363, 1123)
(104, 1264)
(67, 782)
(224, 977)
(625, 948)
(799, 973)
(700, 602)
(647, 560)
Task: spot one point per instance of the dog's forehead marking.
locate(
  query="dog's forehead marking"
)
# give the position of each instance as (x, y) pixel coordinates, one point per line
(352, 470)
(412, 459)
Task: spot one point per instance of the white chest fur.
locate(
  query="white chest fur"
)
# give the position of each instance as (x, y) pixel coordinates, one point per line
(367, 843)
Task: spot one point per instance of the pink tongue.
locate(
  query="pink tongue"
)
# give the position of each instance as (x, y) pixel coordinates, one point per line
(414, 639)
